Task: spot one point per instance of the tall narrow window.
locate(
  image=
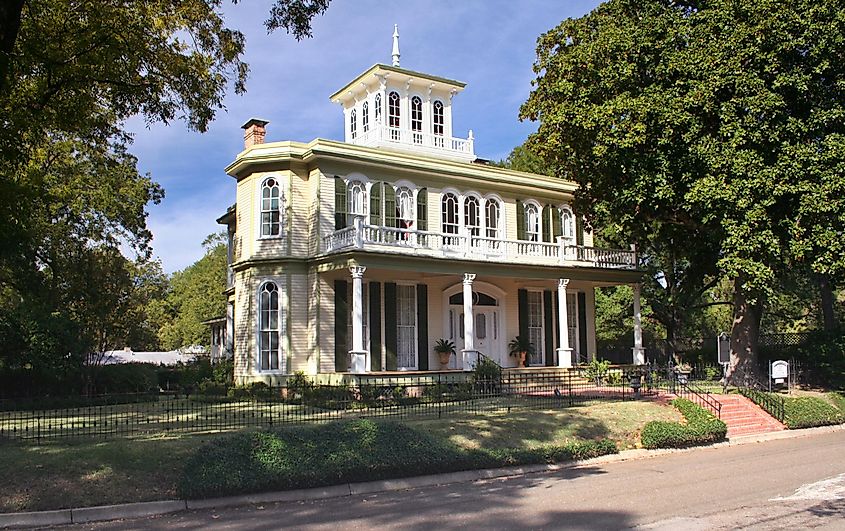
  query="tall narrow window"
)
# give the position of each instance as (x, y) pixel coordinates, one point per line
(271, 208)
(406, 324)
(532, 222)
(269, 326)
(378, 108)
(365, 117)
(472, 215)
(416, 119)
(439, 123)
(535, 326)
(353, 123)
(492, 219)
(450, 219)
(393, 115)
(405, 207)
(355, 200)
(567, 223)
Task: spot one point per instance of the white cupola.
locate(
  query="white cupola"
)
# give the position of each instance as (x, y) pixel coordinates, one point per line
(390, 107)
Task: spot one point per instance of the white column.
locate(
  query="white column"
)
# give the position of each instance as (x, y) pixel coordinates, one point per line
(564, 353)
(470, 356)
(358, 352)
(639, 351)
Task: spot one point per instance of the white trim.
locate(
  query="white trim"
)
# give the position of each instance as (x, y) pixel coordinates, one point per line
(416, 343)
(280, 283)
(485, 287)
(283, 194)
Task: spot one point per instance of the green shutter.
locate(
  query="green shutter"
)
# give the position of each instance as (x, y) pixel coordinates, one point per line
(389, 206)
(375, 204)
(579, 231)
(341, 330)
(549, 328)
(582, 323)
(522, 299)
(375, 326)
(520, 220)
(422, 327)
(546, 225)
(557, 230)
(422, 209)
(339, 203)
(391, 344)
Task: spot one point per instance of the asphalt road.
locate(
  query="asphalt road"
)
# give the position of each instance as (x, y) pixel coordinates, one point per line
(794, 483)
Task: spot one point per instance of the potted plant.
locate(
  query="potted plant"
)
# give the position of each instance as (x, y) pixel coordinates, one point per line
(444, 349)
(521, 347)
(683, 370)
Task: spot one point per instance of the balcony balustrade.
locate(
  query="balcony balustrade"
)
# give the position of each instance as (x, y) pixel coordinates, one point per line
(469, 246)
(381, 135)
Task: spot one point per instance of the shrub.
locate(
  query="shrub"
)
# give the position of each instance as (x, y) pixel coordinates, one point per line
(340, 452)
(125, 378)
(838, 399)
(260, 391)
(702, 427)
(239, 392)
(212, 388)
(597, 370)
(810, 411)
(299, 385)
(614, 378)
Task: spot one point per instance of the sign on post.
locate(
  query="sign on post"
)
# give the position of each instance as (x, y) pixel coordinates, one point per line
(724, 348)
(779, 371)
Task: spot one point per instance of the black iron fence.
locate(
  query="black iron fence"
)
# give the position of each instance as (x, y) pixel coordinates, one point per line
(423, 396)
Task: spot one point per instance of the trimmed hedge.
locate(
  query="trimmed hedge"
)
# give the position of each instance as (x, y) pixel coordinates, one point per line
(810, 411)
(341, 452)
(702, 427)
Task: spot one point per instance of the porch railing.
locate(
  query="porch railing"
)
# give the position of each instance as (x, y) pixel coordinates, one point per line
(470, 246)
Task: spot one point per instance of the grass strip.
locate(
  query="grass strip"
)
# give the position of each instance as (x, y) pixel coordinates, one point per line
(809, 412)
(702, 427)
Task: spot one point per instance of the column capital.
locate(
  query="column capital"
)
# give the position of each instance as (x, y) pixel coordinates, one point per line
(357, 271)
(562, 283)
(468, 278)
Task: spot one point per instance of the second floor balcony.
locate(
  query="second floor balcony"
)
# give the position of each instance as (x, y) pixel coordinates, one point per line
(468, 246)
(385, 136)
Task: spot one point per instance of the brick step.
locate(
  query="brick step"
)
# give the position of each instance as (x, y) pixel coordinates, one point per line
(744, 417)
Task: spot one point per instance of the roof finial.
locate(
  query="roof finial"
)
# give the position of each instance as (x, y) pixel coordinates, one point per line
(396, 45)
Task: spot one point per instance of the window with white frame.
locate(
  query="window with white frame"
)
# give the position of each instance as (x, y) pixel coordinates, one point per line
(271, 208)
(269, 327)
(353, 123)
(365, 117)
(406, 324)
(472, 215)
(493, 220)
(356, 200)
(416, 119)
(532, 222)
(377, 109)
(567, 223)
(405, 207)
(438, 123)
(393, 114)
(535, 325)
(450, 222)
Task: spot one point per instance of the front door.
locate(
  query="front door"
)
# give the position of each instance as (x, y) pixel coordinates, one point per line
(487, 332)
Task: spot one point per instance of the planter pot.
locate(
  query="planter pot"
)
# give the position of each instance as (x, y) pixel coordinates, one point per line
(444, 358)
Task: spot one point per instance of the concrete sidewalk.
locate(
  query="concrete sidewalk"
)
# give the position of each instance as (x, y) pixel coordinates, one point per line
(144, 509)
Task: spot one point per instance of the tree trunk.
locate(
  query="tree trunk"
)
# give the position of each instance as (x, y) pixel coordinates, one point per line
(743, 369)
(10, 25)
(827, 302)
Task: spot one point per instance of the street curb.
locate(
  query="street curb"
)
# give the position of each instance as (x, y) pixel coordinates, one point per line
(156, 508)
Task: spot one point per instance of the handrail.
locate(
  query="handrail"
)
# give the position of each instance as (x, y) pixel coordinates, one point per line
(704, 397)
(772, 404)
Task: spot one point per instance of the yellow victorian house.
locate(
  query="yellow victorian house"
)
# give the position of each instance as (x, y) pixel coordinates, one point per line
(357, 256)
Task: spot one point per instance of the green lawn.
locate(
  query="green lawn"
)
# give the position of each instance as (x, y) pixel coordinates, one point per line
(71, 474)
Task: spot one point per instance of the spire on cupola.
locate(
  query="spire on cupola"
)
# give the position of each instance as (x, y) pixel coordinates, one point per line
(396, 45)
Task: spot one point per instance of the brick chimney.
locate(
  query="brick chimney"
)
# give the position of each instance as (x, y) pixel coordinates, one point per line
(254, 132)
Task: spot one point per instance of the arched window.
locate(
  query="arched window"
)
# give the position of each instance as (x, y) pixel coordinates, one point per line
(365, 117)
(378, 108)
(439, 123)
(393, 115)
(472, 215)
(416, 119)
(532, 222)
(567, 223)
(269, 318)
(450, 219)
(405, 207)
(492, 219)
(356, 200)
(271, 208)
(353, 124)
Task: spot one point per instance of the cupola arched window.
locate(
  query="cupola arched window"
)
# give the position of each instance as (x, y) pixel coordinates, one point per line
(269, 327)
(416, 119)
(378, 108)
(271, 208)
(353, 124)
(393, 115)
(365, 117)
(356, 199)
(439, 122)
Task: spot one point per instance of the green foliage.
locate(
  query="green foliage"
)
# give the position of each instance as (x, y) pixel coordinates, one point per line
(444, 346)
(212, 388)
(810, 411)
(126, 378)
(596, 370)
(702, 427)
(360, 450)
(838, 399)
(299, 385)
(520, 344)
(486, 370)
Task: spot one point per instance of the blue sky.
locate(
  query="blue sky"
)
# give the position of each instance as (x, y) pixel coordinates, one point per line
(488, 44)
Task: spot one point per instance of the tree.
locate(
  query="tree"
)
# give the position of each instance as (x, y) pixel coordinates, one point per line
(716, 125)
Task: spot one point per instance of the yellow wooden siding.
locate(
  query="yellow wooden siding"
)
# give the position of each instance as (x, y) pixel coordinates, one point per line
(327, 339)
(298, 308)
(244, 326)
(299, 201)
